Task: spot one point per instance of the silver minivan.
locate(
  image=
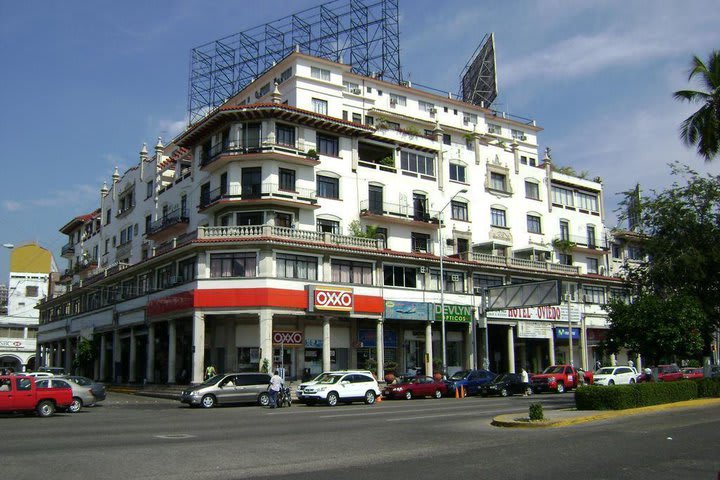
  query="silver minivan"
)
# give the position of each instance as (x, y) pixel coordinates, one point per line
(229, 388)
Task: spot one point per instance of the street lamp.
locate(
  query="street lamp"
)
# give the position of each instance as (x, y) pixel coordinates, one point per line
(442, 279)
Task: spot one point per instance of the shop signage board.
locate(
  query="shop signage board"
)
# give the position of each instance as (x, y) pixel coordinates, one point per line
(523, 295)
(313, 343)
(334, 299)
(400, 310)
(287, 338)
(367, 338)
(454, 313)
(562, 333)
(13, 343)
(534, 330)
(552, 313)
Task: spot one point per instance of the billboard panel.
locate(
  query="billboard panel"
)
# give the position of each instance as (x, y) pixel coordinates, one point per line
(478, 81)
(532, 294)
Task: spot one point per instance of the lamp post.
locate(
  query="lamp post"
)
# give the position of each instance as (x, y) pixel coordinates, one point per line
(442, 279)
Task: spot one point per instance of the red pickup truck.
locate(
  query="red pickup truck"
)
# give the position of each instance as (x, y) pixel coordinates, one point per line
(558, 378)
(18, 393)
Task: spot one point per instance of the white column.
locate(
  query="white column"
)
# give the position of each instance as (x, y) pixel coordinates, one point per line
(198, 347)
(469, 345)
(132, 377)
(583, 346)
(511, 349)
(638, 363)
(103, 357)
(380, 351)
(428, 349)
(266, 346)
(613, 360)
(551, 346)
(150, 364)
(326, 344)
(172, 351)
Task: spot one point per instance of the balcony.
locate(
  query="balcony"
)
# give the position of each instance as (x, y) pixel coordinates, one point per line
(170, 224)
(257, 231)
(68, 250)
(123, 251)
(520, 263)
(222, 153)
(579, 243)
(261, 193)
(403, 214)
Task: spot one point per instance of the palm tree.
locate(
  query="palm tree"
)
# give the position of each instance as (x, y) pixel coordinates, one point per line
(702, 128)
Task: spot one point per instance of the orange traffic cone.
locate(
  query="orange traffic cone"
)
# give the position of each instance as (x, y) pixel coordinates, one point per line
(462, 393)
(457, 392)
(378, 399)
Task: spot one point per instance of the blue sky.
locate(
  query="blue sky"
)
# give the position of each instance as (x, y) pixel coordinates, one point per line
(85, 83)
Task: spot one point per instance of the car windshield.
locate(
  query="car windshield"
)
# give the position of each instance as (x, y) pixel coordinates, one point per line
(459, 375)
(83, 381)
(502, 378)
(212, 380)
(330, 379)
(408, 380)
(554, 369)
(605, 371)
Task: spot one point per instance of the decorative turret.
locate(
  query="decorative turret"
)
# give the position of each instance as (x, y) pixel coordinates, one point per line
(159, 146)
(275, 96)
(116, 175)
(143, 153)
(104, 190)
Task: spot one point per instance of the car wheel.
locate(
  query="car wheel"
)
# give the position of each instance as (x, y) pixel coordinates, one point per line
(332, 399)
(46, 408)
(76, 405)
(408, 395)
(504, 392)
(208, 401)
(369, 397)
(264, 399)
(632, 380)
(560, 387)
(438, 394)
(528, 391)
(611, 382)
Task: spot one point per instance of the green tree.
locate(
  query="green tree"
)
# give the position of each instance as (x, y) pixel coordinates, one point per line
(702, 128)
(85, 355)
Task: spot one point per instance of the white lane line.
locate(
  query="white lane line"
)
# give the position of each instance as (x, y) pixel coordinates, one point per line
(421, 417)
(414, 410)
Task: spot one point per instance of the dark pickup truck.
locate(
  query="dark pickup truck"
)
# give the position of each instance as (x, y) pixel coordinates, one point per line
(19, 393)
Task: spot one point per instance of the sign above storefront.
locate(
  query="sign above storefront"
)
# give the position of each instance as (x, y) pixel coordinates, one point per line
(534, 330)
(548, 313)
(15, 343)
(287, 338)
(562, 333)
(335, 299)
(367, 338)
(454, 313)
(399, 310)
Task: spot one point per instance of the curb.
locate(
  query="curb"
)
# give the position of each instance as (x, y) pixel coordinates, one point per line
(513, 421)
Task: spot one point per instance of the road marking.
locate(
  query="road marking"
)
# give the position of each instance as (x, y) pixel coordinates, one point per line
(420, 417)
(414, 410)
(174, 436)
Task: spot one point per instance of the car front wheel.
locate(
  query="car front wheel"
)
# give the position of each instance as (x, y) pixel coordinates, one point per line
(408, 395)
(632, 380)
(332, 399)
(438, 394)
(369, 397)
(528, 391)
(560, 387)
(504, 392)
(76, 405)
(208, 401)
(611, 382)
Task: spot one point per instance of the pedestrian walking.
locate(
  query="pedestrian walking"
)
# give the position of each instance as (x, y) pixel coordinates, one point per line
(525, 380)
(210, 371)
(598, 365)
(276, 383)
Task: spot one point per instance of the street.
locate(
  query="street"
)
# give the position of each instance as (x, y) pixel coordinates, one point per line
(137, 437)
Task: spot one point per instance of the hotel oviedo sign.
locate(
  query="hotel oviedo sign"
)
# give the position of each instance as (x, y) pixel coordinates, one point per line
(288, 338)
(454, 313)
(333, 299)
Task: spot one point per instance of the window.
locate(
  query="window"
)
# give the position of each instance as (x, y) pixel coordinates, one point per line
(470, 144)
(327, 145)
(296, 266)
(420, 242)
(533, 224)
(481, 281)
(107, 246)
(453, 281)
(591, 237)
(287, 179)
(616, 253)
(144, 283)
(320, 106)
(320, 73)
(248, 218)
(587, 201)
(592, 265)
(264, 90)
(357, 118)
(328, 226)
(396, 276)
(634, 252)
(562, 196)
(162, 276)
(186, 269)
(469, 118)
(565, 259)
(417, 163)
(328, 187)
(369, 120)
(398, 100)
(345, 115)
(31, 291)
(205, 194)
(494, 129)
(283, 220)
(463, 245)
(594, 294)
(498, 181)
(497, 217)
(284, 135)
(564, 230)
(345, 271)
(532, 190)
(420, 211)
(425, 106)
(458, 172)
(285, 75)
(523, 159)
(447, 139)
(352, 87)
(517, 134)
(459, 210)
(223, 186)
(237, 264)
(108, 214)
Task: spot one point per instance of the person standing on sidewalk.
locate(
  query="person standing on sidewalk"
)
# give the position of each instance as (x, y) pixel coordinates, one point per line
(276, 383)
(525, 378)
(210, 371)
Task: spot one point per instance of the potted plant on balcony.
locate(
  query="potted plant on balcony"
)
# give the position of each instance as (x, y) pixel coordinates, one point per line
(387, 161)
(437, 369)
(563, 245)
(312, 153)
(390, 368)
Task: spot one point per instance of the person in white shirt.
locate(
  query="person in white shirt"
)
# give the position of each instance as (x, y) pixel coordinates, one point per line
(276, 383)
(525, 380)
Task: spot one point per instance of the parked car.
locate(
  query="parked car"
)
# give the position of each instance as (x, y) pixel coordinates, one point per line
(299, 392)
(470, 380)
(229, 388)
(669, 373)
(81, 396)
(690, 373)
(505, 385)
(558, 378)
(40, 374)
(98, 389)
(53, 370)
(20, 393)
(619, 375)
(415, 386)
(346, 387)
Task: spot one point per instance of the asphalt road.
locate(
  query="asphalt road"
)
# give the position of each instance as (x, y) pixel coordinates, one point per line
(133, 437)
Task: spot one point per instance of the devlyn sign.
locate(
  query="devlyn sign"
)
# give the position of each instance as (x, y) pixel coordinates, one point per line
(454, 313)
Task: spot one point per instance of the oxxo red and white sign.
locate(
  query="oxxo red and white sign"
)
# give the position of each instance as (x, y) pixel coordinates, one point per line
(330, 298)
(289, 339)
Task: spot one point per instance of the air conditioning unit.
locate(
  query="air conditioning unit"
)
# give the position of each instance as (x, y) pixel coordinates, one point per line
(455, 277)
(450, 242)
(423, 269)
(393, 102)
(356, 91)
(477, 290)
(523, 137)
(433, 111)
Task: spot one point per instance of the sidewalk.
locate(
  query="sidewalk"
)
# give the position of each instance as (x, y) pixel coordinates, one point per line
(564, 418)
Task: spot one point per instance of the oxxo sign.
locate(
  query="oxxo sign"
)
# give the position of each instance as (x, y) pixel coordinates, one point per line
(330, 298)
(289, 339)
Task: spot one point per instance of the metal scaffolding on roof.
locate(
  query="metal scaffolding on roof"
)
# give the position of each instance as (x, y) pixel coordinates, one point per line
(362, 33)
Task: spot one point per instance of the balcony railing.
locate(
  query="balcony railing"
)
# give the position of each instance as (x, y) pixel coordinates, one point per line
(265, 145)
(256, 231)
(258, 191)
(173, 218)
(521, 263)
(580, 241)
(397, 210)
(67, 249)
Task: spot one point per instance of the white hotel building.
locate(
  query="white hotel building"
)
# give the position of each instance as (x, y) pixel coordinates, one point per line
(246, 237)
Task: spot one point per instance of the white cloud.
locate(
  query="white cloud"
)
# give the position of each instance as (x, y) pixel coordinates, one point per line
(12, 205)
(77, 195)
(171, 128)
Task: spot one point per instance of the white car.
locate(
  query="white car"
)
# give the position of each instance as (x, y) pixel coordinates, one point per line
(301, 388)
(39, 374)
(345, 386)
(621, 375)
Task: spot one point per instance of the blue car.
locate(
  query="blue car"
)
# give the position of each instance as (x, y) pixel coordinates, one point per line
(471, 380)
